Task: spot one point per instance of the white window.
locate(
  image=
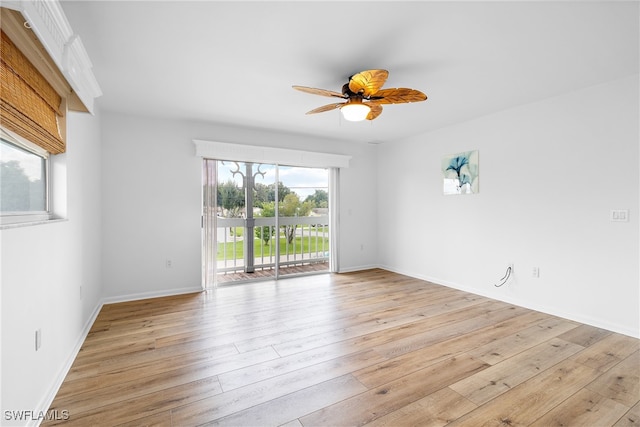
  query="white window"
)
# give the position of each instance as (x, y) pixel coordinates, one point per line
(24, 181)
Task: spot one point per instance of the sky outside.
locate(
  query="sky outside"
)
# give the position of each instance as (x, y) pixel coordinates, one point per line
(30, 163)
(303, 181)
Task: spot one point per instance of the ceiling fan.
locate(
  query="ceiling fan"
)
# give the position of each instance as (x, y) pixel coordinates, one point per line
(364, 96)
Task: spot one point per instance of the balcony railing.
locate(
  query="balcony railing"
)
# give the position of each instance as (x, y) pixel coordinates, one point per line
(297, 241)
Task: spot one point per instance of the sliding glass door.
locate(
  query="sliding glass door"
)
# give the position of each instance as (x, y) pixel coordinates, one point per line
(303, 219)
(263, 221)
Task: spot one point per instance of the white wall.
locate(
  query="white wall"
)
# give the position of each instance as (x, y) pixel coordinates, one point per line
(152, 201)
(132, 201)
(43, 268)
(550, 173)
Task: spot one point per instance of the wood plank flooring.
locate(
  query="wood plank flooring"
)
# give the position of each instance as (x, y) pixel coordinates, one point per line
(369, 348)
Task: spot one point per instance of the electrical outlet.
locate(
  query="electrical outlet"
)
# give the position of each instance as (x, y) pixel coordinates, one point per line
(535, 272)
(619, 215)
(168, 263)
(38, 339)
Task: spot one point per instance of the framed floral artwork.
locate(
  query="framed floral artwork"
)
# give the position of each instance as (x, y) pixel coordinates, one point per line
(460, 173)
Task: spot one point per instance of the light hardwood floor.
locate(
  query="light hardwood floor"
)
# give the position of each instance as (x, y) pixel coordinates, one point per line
(368, 348)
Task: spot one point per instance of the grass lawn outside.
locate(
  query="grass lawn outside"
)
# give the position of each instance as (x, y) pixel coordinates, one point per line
(300, 245)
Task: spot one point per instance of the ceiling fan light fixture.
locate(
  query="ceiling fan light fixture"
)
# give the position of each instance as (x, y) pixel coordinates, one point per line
(364, 86)
(355, 112)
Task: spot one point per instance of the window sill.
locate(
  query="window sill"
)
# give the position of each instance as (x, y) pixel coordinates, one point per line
(31, 223)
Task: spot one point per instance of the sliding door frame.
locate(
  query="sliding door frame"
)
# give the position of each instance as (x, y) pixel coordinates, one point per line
(208, 150)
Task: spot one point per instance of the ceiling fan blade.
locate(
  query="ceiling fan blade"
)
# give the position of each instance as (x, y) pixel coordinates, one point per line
(327, 107)
(376, 110)
(398, 95)
(322, 92)
(368, 82)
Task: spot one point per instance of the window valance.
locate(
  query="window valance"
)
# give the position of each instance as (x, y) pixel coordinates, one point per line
(260, 154)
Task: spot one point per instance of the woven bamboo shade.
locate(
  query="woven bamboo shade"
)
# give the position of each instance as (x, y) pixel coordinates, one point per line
(29, 105)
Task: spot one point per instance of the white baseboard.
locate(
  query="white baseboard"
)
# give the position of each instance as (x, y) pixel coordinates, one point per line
(554, 311)
(358, 268)
(47, 400)
(151, 294)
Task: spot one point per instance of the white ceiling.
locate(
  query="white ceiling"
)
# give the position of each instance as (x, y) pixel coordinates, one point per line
(234, 62)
